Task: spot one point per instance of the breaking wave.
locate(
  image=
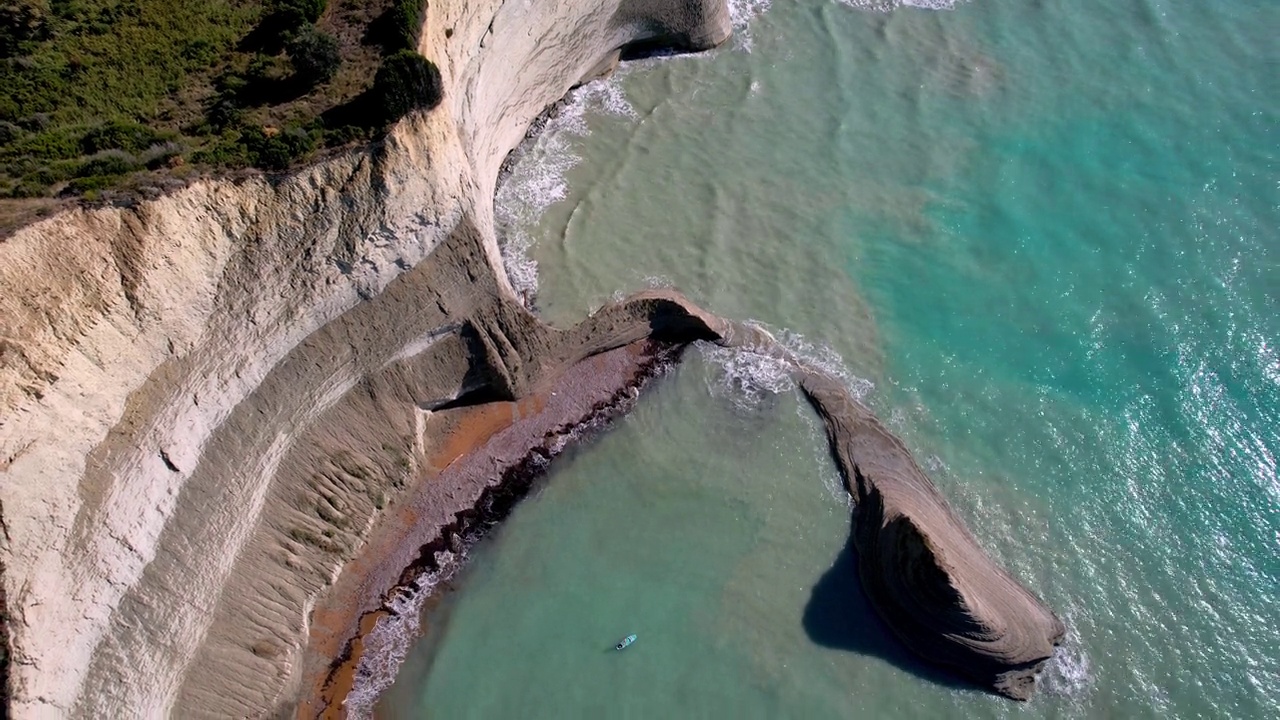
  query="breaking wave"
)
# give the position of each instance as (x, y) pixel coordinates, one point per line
(747, 378)
(387, 646)
(537, 179)
(741, 13)
(1067, 672)
(539, 167)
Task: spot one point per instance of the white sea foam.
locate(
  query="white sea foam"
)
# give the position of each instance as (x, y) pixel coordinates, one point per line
(822, 358)
(538, 179)
(747, 378)
(741, 13)
(388, 644)
(889, 5)
(1068, 672)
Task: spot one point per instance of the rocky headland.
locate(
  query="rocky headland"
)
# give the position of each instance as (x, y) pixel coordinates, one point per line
(234, 419)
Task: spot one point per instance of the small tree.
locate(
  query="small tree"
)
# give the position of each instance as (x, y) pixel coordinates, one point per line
(286, 19)
(309, 10)
(314, 56)
(279, 150)
(405, 82)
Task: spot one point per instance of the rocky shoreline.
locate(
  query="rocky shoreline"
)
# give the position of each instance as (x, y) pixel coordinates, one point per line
(234, 419)
(597, 390)
(920, 566)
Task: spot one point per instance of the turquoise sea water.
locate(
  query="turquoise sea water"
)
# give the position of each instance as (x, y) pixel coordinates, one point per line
(1043, 237)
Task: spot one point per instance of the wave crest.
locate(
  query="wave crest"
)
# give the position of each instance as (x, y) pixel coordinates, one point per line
(1067, 672)
(747, 378)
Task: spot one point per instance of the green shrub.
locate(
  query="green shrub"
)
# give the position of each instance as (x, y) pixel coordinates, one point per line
(159, 155)
(314, 56)
(277, 151)
(119, 135)
(93, 91)
(309, 10)
(9, 132)
(405, 82)
(223, 113)
(28, 189)
(274, 30)
(286, 19)
(227, 151)
(262, 68)
(406, 20)
(198, 51)
(109, 163)
(46, 175)
(91, 184)
(61, 143)
(343, 134)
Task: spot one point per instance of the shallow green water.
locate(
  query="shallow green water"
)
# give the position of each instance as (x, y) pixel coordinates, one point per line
(1042, 235)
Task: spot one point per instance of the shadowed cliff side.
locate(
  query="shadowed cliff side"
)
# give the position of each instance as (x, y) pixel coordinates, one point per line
(921, 567)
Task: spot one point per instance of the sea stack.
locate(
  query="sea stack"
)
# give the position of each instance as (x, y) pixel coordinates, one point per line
(922, 569)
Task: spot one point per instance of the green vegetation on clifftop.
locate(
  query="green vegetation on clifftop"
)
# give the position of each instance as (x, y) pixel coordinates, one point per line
(115, 99)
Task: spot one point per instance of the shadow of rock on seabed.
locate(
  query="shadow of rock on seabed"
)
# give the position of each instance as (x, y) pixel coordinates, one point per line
(839, 616)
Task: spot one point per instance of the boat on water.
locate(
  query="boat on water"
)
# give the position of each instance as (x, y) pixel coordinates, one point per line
(625, 642)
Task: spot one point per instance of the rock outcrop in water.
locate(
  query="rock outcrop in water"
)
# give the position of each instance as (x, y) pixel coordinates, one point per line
(213, 404)
(922, 569)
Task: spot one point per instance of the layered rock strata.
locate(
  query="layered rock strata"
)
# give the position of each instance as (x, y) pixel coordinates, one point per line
(486, 459)
(210, 403)
(207, 400)
(922, 569)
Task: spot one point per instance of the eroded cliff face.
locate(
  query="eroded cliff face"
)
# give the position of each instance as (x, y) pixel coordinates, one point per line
(215, 408)
(206, 401)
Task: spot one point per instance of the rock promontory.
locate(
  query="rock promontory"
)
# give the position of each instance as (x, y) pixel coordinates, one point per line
(921, 567)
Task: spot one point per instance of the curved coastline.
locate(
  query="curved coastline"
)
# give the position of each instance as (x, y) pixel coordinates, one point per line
(247, 414)
(208, 400)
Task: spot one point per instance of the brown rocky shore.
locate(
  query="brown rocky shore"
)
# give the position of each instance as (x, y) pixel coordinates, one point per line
(235, 420)
(478, 469)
